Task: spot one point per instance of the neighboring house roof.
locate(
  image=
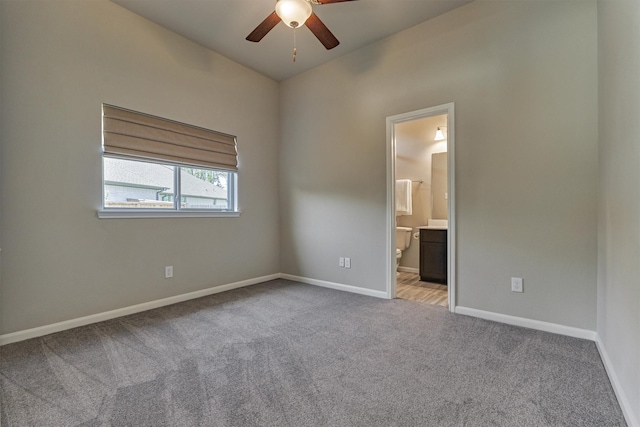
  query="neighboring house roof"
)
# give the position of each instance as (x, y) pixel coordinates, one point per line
(193, 186)
(160, 177)
(138, 174)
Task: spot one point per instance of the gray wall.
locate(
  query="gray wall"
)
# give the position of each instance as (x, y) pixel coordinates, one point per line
(619, 216)
(523, 76)
(2, 225)
(60, 61)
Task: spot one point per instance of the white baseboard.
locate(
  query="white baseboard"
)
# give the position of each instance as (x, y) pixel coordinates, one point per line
(630, 416)
(409, 270)
(337, 286)
(528, 323)
(112, 314)
(633, 420)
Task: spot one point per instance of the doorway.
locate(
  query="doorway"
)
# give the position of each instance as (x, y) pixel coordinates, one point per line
(419, 183)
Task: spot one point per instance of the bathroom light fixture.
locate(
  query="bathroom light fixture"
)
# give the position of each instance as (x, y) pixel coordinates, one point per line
(439, 134)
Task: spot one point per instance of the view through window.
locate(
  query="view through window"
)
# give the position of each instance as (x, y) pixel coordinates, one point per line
(131, 184)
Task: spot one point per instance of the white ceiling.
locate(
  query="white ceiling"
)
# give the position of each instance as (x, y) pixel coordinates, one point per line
(222, 25)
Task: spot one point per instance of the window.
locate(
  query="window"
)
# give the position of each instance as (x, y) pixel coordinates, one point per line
(130, 184)
(155, 167)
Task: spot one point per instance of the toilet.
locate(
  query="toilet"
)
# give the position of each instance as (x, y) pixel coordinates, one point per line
(403, 240)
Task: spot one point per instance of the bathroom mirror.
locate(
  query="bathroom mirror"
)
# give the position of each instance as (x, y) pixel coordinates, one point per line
(439, 206)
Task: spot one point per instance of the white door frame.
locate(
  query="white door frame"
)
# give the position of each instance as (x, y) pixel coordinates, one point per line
(438, 110)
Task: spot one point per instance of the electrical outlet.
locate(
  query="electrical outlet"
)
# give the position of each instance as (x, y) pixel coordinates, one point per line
(347, 262)
(168, 272)
(516, 284)
(341, 261)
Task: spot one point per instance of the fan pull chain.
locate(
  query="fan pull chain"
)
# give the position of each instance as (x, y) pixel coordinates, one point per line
(295, 51)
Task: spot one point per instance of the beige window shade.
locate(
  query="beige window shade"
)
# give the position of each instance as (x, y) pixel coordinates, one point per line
(134, 135)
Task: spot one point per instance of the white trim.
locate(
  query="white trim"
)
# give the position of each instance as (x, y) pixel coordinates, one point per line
(626, 407)
(409, 270)
(449, 110)
(452, 278)
(112, 314)
(528, 323)
(138, 308)
(390, 237)
(627, 410)
(337, 286)
(183, 213)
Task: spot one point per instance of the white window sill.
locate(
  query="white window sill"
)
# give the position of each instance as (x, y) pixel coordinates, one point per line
(139, 213)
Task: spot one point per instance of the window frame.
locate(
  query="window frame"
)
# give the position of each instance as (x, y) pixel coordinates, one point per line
(105, 212)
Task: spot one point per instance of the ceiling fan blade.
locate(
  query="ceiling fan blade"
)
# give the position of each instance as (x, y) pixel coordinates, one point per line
(321, 31)
(264, 27)
(329, 1)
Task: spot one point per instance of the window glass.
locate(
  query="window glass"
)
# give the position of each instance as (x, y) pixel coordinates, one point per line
(204, 189)
(130, 184)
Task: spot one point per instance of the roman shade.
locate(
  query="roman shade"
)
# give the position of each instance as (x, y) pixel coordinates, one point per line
(132, 135)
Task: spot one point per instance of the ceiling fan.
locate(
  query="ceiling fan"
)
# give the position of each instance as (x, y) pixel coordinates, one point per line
(296, 13)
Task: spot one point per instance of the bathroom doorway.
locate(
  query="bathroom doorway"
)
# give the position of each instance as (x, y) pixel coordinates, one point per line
(421, 206)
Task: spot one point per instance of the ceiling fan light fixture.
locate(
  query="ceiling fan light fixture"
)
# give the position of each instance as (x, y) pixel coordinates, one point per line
(440, 135)
(294, 13)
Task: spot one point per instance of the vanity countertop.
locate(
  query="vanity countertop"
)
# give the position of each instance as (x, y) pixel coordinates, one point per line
(435, 224)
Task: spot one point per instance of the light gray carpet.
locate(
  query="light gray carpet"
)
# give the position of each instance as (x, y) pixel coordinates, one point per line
(288, 354)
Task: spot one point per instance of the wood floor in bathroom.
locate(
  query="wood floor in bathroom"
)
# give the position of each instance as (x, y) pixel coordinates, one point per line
(410, 287)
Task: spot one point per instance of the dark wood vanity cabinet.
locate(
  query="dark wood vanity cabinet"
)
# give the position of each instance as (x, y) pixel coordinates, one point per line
(433, 256)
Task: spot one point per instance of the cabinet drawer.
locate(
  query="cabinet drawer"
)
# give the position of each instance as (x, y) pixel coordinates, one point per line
(437, 236)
